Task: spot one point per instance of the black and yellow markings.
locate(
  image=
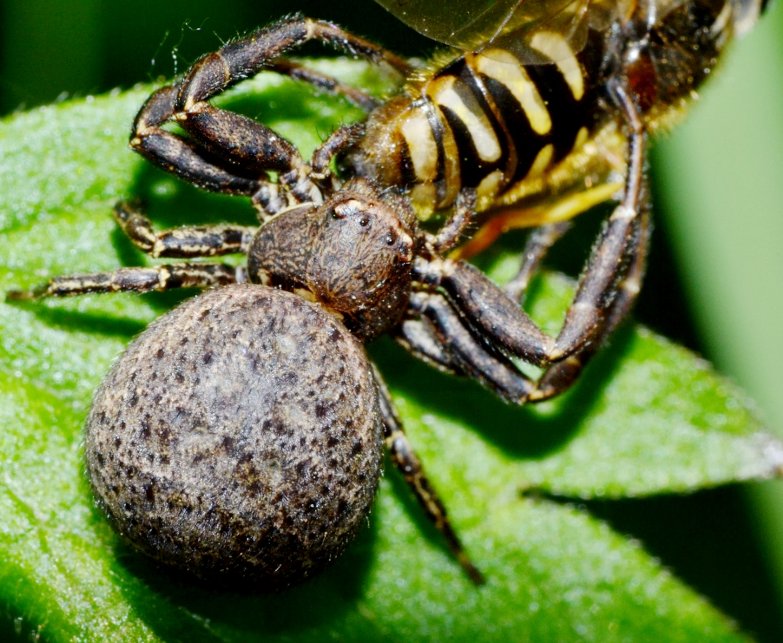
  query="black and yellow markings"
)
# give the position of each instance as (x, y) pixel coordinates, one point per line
(501, 121)
(491, 120)
(505, 69)
(421, 144)
(432, 157)
(465, 111)
(556, 48)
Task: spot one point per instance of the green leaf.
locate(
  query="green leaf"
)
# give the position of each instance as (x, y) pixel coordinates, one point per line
(647, 417)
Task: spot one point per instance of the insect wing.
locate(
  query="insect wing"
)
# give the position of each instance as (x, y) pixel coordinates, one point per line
(472, 25)
(459, 23)
(549, 38)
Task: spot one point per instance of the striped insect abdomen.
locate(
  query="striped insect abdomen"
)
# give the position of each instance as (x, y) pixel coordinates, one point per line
(485, 121)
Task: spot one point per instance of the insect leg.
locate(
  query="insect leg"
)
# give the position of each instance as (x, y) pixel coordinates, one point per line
(339, 140)
(138, 279)
(537, 245)
(196, 241)
(573, 202)
(408, 463)
(324, 83)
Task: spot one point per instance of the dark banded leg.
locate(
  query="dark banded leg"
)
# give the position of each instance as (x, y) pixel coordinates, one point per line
(613, 254)
(485, 309)
(537, 246)
(197, 241)
(232, 63)
(473, 315)
(406, 460)
(140, 279)
(228, 140)
(178, 156)
(461, 351)
(457, 225)
(560, 375)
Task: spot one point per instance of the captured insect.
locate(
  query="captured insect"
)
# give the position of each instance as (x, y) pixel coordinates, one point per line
(548, 108)
(214, 443)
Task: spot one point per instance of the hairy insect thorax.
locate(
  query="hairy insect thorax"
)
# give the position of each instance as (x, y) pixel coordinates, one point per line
(352, 254)
(665, 64)
(495, 121)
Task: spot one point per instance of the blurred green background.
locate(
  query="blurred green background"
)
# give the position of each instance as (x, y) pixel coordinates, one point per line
(716, 276)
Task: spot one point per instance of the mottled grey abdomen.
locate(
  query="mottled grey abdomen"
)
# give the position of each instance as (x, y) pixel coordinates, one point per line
(239, 435)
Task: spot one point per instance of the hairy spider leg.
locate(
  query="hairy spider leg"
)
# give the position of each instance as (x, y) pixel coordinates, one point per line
(409, 465)
(138, 279)
(184, 241)
(230, 152)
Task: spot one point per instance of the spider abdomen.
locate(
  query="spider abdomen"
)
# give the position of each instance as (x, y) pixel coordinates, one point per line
(240, 436)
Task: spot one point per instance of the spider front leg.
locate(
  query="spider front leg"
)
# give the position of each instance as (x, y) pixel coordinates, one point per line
(227, 151)
(463, 323)
(176, 155)
(622, 239)
(232, 155)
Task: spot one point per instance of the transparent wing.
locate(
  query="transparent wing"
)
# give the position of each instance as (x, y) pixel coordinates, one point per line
(474, 24)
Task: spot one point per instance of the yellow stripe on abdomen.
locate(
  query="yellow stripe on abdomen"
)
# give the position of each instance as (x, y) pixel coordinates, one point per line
(442, 92)
(556, 48)
(503, 67)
